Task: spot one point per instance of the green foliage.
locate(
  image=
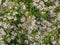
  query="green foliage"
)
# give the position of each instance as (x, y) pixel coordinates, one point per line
(46, 15)
(57, 9)
(34, 32)
(49, 3)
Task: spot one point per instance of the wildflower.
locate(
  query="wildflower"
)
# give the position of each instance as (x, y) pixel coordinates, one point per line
(1, 23)
(45, 0)
(49, 29)
(5, 25)
(10, 17)
(16, 7)
(57, 3)
(35, 4)
(0, 1)
(30, 37)
(6, 3)
(43, 12)
(23, 7)
(50, 7)
(12, 37)
(23, 19)
(54, 42)
(15, 18)
(58, 16)
(2, 31)
(26, 41)
(4, 18)
(8, 39)
(35, 0)
(59, 41)
(14, 13)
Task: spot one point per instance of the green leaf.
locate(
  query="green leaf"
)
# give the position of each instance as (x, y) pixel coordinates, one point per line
(57, 9)
(3, 1)
(49, 3)
(34, 32)
(8, 31)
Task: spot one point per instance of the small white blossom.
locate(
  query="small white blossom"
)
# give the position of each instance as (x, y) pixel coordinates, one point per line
(16, 7)
(26, 41)
(10, 17)
(2, 31)
(35, 0)
(6, 3)
(12, 37)
(23, 7)
(23, 19)
(1, 23)
(54, 42)
(45, 0)
(57, 3)
(35, 4)
(15, 19)
(14, 13)
(0, 1)
(4, 18)
(5, 25)
(59, 41)
(8, 39)
(30, 37)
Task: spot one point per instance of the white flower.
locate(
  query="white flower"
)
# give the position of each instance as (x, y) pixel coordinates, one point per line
(54, 42)
(0, 1)
(16, 7)
(1, 38)
(48, 44)
(58, 16)
(43, 12)
(29, 31)
(23, 19)
(6, 3)
(26, 41)
(52, 14)
(49, 29)
(8, 39)
(1, 23)
(43, 44)
(1, 17)
(14, 13)
(10, 7)
(57, 3)
(2, 31)
(35, 0)
(5, 25)
(30, 37)
(13, 33)
(35, 4)
(59, 41)
(39, 7)
(45, 0)
(15, 19)
(10, 17)
(23, 7)
(4, 18)
(47, 23)
(52, 38)
(50, 7)
(12, 37)
(42, 4)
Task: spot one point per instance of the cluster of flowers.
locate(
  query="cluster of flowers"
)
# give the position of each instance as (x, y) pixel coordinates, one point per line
(29, 22)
